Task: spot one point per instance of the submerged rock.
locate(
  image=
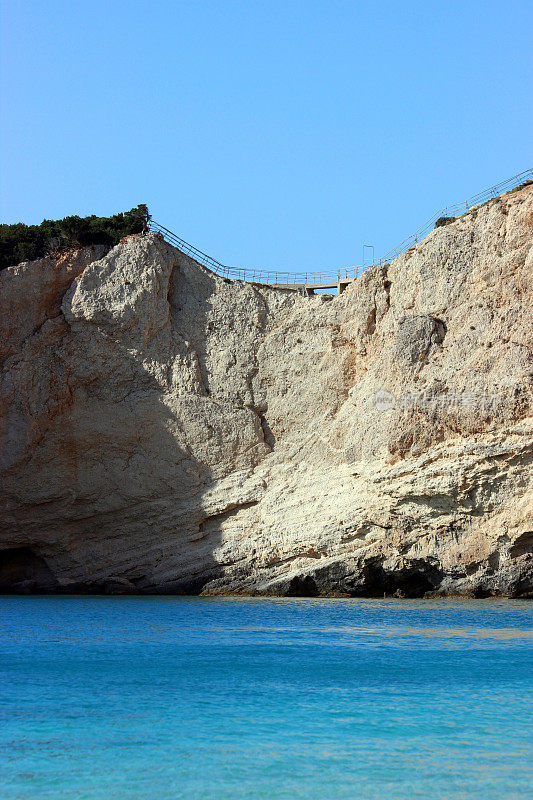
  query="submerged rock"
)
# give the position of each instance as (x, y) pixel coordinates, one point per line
(167, 430)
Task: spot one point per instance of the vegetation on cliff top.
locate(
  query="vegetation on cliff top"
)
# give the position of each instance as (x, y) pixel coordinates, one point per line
(444, 221)
(21, 242)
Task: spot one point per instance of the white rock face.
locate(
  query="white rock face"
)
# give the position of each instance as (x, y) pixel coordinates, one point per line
(166, 430)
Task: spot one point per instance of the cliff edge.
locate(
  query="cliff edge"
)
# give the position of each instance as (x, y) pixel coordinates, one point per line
(167, 430)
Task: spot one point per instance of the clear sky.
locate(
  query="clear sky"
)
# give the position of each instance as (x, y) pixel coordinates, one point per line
(271, 134)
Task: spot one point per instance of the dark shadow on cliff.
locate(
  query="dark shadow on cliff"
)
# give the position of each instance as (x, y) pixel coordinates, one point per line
(367, 578)
(132, 521)
(153, 540)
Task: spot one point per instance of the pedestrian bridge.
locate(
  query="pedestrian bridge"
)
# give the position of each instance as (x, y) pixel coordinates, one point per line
(306, 282)
(309, 282)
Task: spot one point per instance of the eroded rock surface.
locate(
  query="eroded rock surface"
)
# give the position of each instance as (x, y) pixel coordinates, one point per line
(166, 430)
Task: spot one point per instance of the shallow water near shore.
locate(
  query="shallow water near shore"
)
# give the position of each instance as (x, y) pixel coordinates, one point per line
(198, 698)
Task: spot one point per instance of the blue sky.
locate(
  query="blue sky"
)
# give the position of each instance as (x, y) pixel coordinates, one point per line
(271, 134)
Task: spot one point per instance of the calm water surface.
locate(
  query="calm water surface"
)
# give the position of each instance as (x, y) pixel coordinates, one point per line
(162, 697)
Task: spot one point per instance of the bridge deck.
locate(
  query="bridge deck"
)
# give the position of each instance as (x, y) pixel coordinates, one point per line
(309, 288)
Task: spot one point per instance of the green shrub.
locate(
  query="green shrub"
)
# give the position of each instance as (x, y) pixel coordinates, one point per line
(444, 221)
(522, 186)
(21, 242)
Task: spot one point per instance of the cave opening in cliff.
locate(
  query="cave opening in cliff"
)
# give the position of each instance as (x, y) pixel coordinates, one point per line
(22, 570)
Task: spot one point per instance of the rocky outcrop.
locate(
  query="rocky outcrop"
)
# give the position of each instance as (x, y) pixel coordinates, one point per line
(168, 430)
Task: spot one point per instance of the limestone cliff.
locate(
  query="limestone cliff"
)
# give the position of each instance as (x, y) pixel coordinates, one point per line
(167, 430)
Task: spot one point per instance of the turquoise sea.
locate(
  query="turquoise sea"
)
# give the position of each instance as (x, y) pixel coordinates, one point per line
(170, 697)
